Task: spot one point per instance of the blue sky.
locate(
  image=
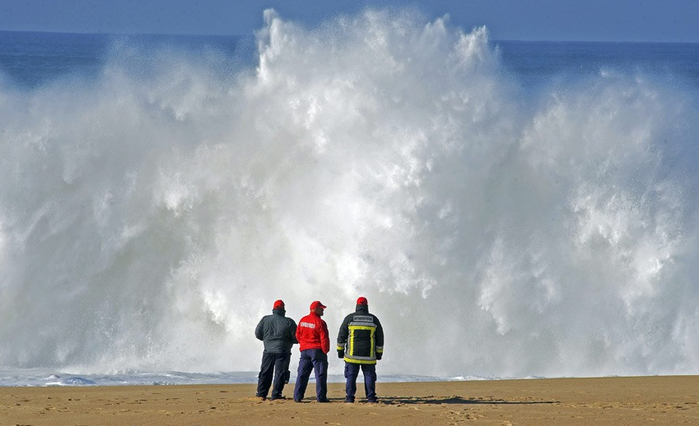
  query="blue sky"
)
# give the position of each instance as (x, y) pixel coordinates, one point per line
(589, 20)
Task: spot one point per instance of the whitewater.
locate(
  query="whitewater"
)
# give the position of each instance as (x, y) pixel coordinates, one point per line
(151, 214)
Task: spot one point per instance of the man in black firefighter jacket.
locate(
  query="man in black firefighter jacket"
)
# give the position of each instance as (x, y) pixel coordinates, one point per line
(278, 333)
(360, 344)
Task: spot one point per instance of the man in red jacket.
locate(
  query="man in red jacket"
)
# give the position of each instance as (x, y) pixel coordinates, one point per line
(312, 335)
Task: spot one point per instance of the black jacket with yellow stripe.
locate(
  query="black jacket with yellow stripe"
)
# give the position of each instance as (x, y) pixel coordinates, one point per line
(361, 337)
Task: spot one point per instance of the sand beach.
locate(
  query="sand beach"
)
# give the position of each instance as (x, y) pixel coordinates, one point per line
(672, 400)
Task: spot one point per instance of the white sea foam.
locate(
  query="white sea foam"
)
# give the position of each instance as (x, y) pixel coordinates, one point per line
(151, 216)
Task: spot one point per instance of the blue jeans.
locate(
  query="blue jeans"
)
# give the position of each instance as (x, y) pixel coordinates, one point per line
(277, 364)
(351, 373)
(317, 360)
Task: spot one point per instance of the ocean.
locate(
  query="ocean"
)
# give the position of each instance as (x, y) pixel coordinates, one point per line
(510, 209)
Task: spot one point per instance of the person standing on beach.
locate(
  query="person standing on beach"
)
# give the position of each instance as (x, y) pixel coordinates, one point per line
(314, 341)
(278, 333)
(360, 344)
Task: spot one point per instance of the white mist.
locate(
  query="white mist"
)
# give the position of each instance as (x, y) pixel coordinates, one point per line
(148, 219)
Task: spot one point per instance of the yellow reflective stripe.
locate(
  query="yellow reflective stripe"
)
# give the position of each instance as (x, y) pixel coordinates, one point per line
(372, 330)
(360, 361)
(351, 339)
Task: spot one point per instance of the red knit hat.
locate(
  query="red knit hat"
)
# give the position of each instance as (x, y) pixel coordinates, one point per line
(362, 301)
(279, 304)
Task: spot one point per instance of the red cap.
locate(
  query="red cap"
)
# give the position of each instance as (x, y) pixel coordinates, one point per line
(362, 301)
(316, 305)
(279, 304)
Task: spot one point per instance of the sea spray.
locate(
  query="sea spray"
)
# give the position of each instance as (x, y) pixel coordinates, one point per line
(150, 216)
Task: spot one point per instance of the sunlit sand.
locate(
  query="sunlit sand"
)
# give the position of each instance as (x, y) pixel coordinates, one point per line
(597, 401)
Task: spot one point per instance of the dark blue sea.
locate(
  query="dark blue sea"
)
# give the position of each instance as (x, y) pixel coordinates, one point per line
(31, 59)
(510, 209)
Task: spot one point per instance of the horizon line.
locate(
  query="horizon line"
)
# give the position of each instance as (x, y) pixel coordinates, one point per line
(157, 34)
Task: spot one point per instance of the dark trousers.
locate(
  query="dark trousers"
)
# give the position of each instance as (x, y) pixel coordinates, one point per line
(277, 364)
(351, 373)
(317, 360)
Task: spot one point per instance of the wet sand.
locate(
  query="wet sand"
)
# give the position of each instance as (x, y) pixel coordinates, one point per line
(672, 400)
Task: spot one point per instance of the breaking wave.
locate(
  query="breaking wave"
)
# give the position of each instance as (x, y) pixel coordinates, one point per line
(151, 215)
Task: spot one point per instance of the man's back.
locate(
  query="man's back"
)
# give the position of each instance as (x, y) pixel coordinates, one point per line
(277, 332)
(361, 337)
(312, 333)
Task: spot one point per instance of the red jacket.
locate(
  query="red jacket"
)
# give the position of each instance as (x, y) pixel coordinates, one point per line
(312, 333)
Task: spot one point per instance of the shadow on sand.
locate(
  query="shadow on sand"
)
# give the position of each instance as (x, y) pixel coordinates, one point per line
(393, 400)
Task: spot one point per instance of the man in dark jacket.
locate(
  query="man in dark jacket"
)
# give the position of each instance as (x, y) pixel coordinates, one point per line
(360, 344)
(278, 334)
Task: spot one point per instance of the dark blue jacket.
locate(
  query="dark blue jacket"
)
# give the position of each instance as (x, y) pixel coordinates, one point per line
(277, 332)
(361, 337)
